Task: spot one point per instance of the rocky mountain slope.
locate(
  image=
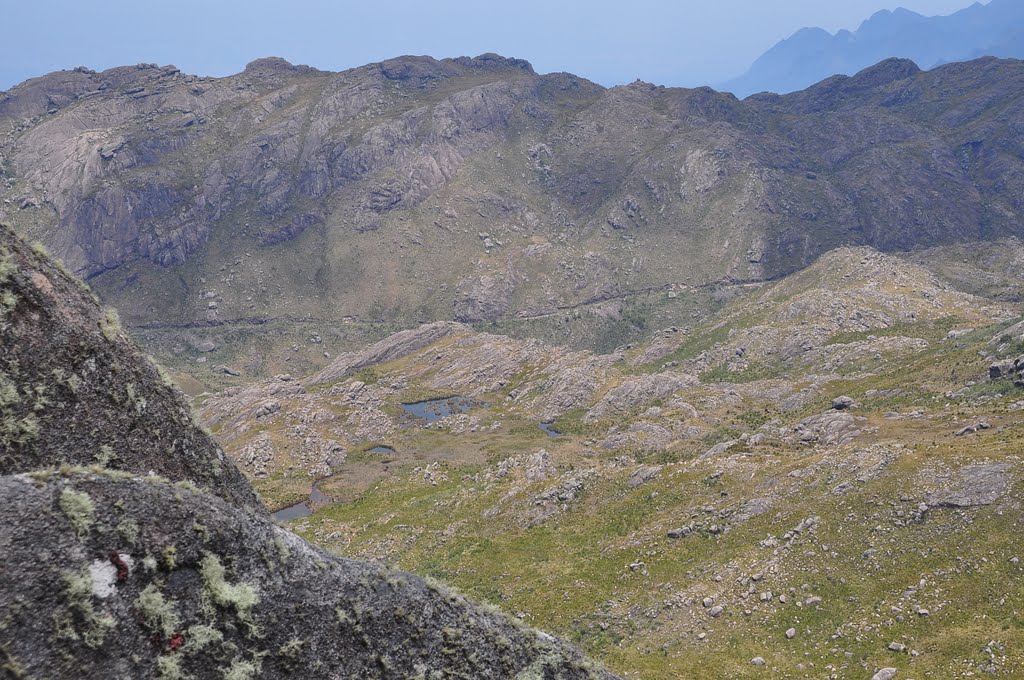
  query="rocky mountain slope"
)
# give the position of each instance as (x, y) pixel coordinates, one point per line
(822, 480)
(74, 390)
(284, 211)
(812, 54)
(113, 570)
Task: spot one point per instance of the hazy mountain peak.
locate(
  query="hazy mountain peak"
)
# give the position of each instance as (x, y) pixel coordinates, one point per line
(813, 54)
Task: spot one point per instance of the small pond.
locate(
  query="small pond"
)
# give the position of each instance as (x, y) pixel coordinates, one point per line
(547, 427)
(293, 512)
(305, 508)
(383, 450)
(433, 410)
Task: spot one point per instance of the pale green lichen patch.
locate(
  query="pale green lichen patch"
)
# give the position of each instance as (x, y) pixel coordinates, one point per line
(106, 456)
(79, 510)
(128, 530)
(86, 623)
(169, 668)
(110, 324)
(283, 553)
(242, 597)
(292, 649)
(157, 612)
(241, 670)
(9, 666)
(170, 557)
(8, 391)
(201, 636)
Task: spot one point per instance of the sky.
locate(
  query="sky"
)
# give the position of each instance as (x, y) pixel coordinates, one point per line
(668, 42)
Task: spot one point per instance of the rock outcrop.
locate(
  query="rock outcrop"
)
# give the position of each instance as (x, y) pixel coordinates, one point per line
(75, 390)
(145, 579)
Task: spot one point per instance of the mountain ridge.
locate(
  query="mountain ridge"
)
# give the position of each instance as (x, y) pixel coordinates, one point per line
(812, 54)
(284, 192)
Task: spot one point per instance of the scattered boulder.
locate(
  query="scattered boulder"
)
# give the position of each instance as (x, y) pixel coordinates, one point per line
(885, 674)
(390, 348)
(831, 428)
(1006, 368)
(539, 467)
(843, 403)
(718, 449)
(644, 475)
(206, 346)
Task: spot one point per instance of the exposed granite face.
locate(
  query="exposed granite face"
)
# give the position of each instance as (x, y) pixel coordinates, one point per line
(76, 391)
(110, 576)
(316, 184)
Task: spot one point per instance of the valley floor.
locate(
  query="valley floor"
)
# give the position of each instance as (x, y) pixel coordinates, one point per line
(822, 480)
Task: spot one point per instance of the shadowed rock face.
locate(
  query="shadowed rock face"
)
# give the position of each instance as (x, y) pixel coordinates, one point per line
(108, 576)
(75, 390)
(477, 189)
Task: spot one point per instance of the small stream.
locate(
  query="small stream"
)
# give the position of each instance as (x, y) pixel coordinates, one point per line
(318, 498)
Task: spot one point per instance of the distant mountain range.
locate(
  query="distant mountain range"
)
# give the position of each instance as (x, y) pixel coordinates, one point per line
(418, 190)
(812, 54)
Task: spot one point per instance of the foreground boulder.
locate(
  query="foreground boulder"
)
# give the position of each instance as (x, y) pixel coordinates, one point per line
(75, 390)
(105, 575)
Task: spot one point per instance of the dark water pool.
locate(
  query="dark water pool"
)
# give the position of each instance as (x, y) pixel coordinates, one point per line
(433, 410)
(305, 508)
(293, 512)
(381, 450)
(547, 428)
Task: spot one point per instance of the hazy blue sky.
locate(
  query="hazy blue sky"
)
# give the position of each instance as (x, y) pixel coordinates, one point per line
(681, 42)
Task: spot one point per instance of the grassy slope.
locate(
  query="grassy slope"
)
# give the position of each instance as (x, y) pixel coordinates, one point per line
(571, 574)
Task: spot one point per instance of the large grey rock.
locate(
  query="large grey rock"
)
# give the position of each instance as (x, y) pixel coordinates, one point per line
(971, 485)
(843, 403)
(636, 392)
(106, 576)
(393, 347)
(831, 428)
(644, 475)
(75, 390)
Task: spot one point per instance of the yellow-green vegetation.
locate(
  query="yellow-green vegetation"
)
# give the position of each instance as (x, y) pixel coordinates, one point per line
(128, 529)
(168, 667)
(199, 637)
(110, 324)
(240, 669)
(83, 621)
(78, 509)
(106, 456)
(8, 300)
(241, 597)
(158, 614)
(772, 497)
(170, 557)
